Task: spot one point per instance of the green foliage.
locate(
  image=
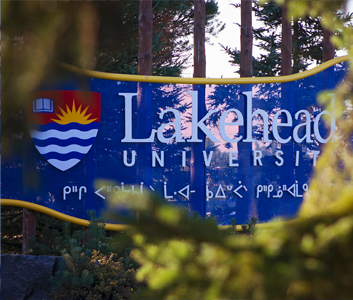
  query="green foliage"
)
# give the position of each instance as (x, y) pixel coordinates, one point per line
(246, 229)
(95, 237)
(96, 267)
(331, 187)
(175, 249)
(184, 257)
(92, 275)
(173, 23)
(250, 227)
(11, 230)
(53, 236)
(307, 36)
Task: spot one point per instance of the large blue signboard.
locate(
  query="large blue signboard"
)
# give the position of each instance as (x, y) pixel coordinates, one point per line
(226, 150)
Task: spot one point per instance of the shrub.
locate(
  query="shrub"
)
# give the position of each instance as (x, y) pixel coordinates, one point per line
(94, 276)
(188, 258)
(96, 267)
(53, 236)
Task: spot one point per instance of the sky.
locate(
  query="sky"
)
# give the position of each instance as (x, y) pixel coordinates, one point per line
(217, 61)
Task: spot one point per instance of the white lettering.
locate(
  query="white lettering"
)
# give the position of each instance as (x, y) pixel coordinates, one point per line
(176, 124)
(315, 155)
(257, 155)
(250, 115)
(222, 124)
(333, 122)
(155, 158)
(128, 122)
(297, 158)
(199, 124)
(207, 159)
(307, 135)
(237, 117)
(133, 157)
(276, 124)
(183, 159)
(278, 154)
(233, 155)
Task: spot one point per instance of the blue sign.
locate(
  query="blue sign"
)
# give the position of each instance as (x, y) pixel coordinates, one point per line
(227, 150)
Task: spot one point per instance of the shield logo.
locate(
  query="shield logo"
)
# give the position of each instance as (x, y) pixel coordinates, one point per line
(64, 125)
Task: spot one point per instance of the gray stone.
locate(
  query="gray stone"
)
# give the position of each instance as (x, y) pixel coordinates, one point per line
(27, 277)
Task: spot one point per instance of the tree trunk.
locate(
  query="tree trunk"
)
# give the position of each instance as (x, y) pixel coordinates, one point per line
(199, 39)
(30, 183)
(287, 87)
(29, 228)
(246, 70)
(145, 38)
(144, 97)
(296, 57)
(286, 49)
(197, 168)
(246, 39)
(329, 50)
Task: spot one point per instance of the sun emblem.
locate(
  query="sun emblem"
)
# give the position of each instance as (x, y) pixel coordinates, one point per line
(73, 116)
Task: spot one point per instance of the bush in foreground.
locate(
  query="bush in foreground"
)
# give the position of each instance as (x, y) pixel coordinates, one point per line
(186, 258)
(96, 267)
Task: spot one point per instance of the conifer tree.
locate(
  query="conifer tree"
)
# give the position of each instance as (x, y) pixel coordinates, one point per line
(173, 23)
(307, 40)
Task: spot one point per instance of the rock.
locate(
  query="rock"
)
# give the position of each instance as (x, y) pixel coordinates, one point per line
(27, 277)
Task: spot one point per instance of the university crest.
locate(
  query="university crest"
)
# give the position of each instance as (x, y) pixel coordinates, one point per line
(64, 125)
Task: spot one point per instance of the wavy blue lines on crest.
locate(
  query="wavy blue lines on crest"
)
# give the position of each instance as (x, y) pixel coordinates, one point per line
(63, 146)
